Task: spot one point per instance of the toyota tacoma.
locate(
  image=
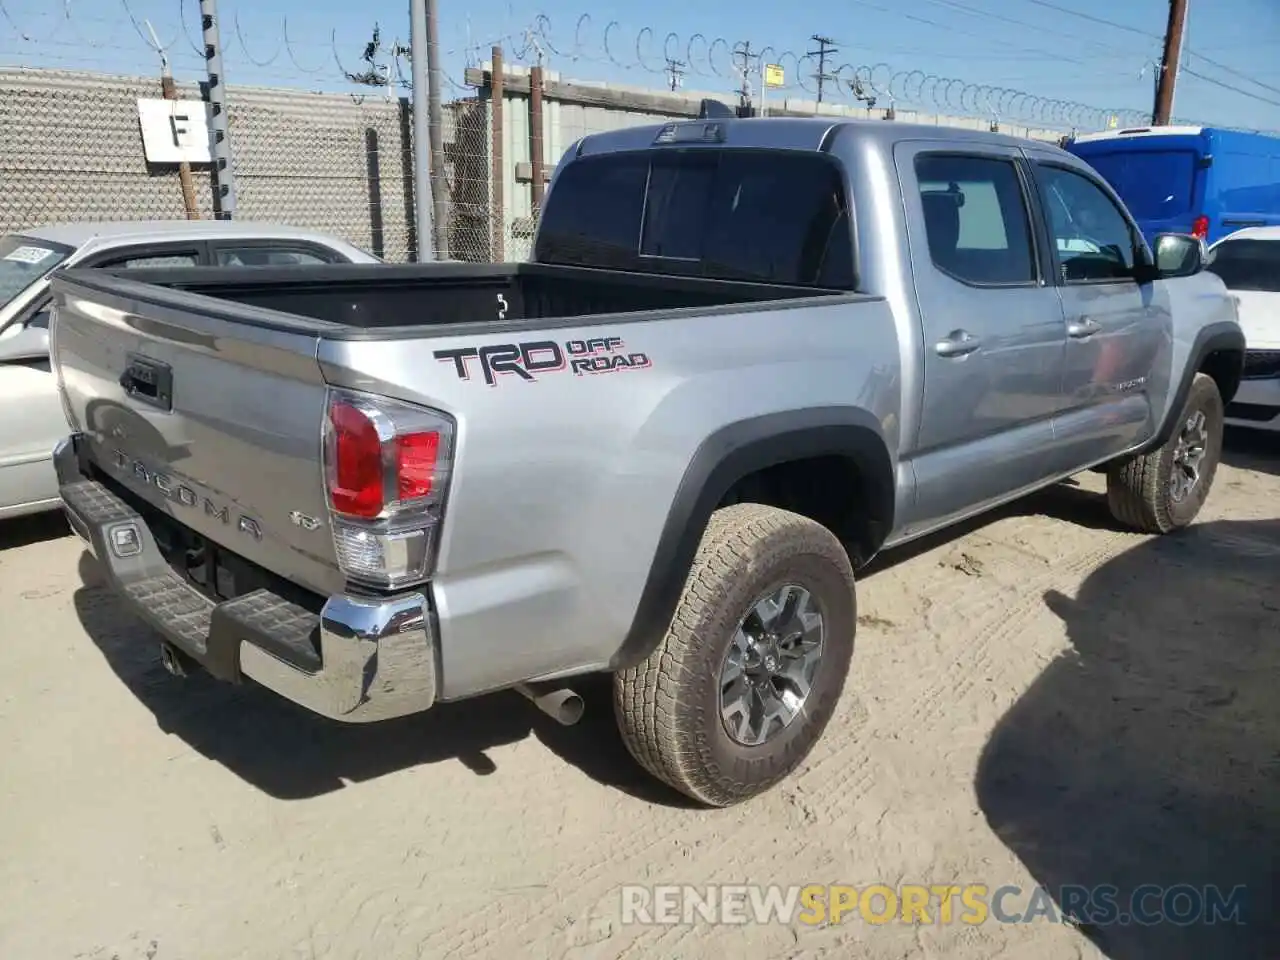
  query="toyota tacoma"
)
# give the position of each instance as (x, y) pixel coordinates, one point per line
(746, 356)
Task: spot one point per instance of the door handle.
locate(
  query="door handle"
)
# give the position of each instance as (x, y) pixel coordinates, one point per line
(1082, 328)
(958, 343)
(148, 381)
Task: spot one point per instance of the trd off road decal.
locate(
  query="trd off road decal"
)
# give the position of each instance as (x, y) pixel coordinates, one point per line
(532, 358)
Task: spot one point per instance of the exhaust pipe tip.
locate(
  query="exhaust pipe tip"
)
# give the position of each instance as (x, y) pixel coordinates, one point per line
(559, 703)
(172, 660)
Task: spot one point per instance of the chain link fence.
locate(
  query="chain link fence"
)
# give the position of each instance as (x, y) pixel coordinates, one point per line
(71, 150)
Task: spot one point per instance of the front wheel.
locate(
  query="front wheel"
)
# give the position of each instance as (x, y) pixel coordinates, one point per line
(754, 661)
(1164, 490)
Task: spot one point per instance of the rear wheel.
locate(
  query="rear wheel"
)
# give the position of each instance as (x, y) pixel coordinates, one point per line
(749, 673)
(1164, 490)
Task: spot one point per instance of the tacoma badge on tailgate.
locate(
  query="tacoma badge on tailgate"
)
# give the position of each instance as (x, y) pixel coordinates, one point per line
(179, 493)
(525, 360)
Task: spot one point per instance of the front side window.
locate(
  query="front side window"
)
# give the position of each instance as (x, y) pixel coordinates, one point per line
(1094, 240)
(761, 216)
(975, 217)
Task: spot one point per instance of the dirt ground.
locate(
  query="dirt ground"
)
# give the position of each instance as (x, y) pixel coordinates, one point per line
(1038, 699)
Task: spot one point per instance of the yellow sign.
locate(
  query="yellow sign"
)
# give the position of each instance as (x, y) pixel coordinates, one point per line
(773, 75)
(1112, 121)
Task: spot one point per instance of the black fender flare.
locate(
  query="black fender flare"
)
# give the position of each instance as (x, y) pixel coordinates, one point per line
(721, 460)
(1224, 336)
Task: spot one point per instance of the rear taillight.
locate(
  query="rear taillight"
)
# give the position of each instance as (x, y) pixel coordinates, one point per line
(386, 473)
(1201, 227)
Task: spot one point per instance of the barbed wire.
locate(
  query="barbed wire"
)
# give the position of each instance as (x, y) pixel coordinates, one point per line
(611, 45)
(871, 85)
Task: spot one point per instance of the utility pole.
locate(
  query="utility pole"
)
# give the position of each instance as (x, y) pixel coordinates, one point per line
(675, 70)
(1168, 76)
(825, 49)
(744, 54)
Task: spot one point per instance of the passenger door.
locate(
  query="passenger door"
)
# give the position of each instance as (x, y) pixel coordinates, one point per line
(1116, 327)
(993, 334)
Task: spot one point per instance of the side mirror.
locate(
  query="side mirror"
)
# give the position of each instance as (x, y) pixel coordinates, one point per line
(1178, 255)
(24, 343)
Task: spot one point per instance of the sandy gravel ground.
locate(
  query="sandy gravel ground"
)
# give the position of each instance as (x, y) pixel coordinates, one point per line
(1037, 699)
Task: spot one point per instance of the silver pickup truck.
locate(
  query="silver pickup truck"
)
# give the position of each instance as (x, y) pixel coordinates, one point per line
(746, 356)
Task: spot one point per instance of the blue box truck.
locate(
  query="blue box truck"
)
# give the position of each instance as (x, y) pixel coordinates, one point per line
(1204, 181)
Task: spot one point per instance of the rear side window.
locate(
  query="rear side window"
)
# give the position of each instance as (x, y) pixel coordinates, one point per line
(975, 217)
(762, 216)
(1248, 264)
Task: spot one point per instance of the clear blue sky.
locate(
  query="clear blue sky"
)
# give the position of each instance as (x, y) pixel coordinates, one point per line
(1098, 52)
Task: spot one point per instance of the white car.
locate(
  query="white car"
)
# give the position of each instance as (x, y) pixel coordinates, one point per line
(31, 416)
(1248, 262)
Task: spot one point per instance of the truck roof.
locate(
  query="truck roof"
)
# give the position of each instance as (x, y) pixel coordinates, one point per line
(76, 234)
(804, 132)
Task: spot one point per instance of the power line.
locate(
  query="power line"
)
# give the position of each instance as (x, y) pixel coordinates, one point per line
(1235, 73)
(1227, 86)
(1001, 18)
(1055, 55)
(825, 49)
(1092, 19)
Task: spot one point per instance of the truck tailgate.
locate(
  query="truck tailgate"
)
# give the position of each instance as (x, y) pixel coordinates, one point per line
(214, 421)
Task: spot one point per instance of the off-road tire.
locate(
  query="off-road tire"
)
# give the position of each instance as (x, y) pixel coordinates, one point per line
(668, 705)
(1138, 488)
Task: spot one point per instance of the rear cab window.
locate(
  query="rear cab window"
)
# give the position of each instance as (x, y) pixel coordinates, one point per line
(976, 219)
(718, 213)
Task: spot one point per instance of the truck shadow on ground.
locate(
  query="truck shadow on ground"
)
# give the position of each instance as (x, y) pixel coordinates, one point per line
(32, 529)
(1252, 450)
(290, 754)
(1148, 754)
(1066, 501)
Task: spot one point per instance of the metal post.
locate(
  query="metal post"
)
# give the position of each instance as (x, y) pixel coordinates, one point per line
(535, 136)
(170, 92)
(498, 216)
(224, 196)
(421, 129)
(439, 192)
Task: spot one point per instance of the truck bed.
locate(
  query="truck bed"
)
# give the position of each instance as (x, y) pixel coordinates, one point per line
(366, 297)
